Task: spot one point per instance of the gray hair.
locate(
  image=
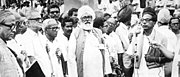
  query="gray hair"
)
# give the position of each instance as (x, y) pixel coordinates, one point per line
(4, 14)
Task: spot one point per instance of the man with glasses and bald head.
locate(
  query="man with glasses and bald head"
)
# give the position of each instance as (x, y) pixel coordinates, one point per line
(8, 64)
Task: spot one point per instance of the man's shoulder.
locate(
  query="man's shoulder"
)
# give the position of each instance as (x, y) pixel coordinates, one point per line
(160, 35)
(2, 48)
(97, 30)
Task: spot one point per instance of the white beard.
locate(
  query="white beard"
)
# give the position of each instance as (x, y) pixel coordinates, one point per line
(87, 26)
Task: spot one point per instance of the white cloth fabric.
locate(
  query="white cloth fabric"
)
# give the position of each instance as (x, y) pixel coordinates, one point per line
(64, 42)
(25, 10)
(17, 49)
(56, 65)
(123, 32)
(164, 15)
(72, 65)
(92, 57)
(34, 46)
(85, 9)
(109, 52)
(143, 70)
(171, 37)
(118, 48)
(175, 67)
(178, 37)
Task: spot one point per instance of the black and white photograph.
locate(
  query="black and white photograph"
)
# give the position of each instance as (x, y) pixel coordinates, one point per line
(89, 38)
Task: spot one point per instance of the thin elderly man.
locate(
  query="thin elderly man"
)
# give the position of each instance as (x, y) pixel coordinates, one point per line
(174, 25)
(144, 37)
(8, 64)
(53, 46)
(86, 49)
(34, 46)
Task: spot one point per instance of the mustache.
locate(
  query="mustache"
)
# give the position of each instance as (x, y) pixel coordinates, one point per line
(87, 22)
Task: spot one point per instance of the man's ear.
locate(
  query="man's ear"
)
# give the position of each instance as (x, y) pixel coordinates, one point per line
(27, 23)
(1, 29)
(100, 27)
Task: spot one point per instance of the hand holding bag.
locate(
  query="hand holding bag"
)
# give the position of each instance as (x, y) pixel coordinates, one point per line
(154, 57)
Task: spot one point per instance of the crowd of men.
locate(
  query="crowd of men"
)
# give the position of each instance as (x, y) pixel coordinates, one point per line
(44, 42)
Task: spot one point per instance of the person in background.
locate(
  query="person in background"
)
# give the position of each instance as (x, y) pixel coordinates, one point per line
(112, 43)
(123, 30)
(9, 66)
(73, 12)
(67, 26)
(176, 61)
(26, 8)
(53, 11)
(174, 25)
(98, 21)
(163, 23)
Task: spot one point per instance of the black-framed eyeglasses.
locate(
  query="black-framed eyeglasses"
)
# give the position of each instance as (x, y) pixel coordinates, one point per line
(174, 23)
(147, 20)
(11, 26)
(54, 28)
(37, 19)
(54, 12)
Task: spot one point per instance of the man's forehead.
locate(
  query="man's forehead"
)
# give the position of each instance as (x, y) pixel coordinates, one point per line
(69, 22)
(86, 14)
(111, 20)
(174, 21)
(10, 19)
(54, 9)
(147, 16)
(53, 25)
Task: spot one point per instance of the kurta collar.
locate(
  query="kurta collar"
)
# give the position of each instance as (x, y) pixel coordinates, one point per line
(124, 26)
(31, 32)
(164, 27)
(151, 37)
(2, 42)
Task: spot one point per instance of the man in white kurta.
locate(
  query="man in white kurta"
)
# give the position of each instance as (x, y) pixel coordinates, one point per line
(163, 20)
(176, 60)
(53, 46)
(142, 40)
(34, 46)
(89, 60)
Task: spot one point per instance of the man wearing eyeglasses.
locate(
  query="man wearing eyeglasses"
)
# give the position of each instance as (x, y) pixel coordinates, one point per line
(34, 47)
(53, 47)
(8, 64)
(54, 13)
(174, 25)
(142, 40)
